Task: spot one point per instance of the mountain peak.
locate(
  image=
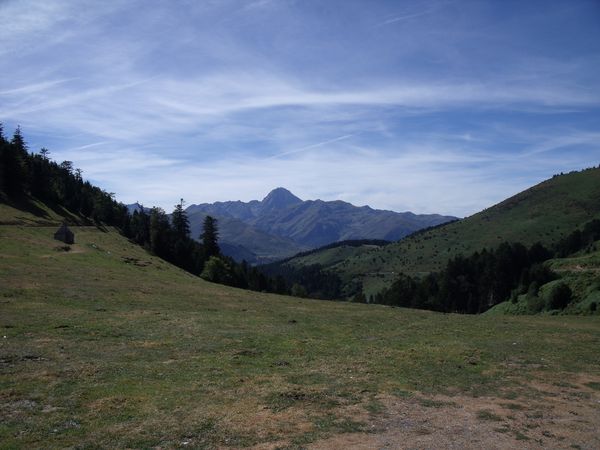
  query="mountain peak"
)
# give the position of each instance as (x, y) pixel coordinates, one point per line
(280, 198)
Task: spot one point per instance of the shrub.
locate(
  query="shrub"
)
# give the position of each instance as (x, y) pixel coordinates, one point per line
(216, 270)
(535, 304)
(560, 296)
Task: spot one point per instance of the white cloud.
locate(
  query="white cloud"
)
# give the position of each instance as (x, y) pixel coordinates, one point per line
(171, 101)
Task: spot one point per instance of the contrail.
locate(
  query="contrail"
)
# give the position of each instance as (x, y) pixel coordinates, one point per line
(308, 147)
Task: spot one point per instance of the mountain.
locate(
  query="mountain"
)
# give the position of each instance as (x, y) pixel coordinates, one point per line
(544, 213)
(278, 199)
(281, 224)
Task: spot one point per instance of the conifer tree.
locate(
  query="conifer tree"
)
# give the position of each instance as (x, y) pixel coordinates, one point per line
(210, 237)
(3, 150)
(181, 224)
(160, 233)
(15, 169)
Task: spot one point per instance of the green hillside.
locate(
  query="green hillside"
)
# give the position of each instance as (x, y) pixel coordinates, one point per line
(333, 254)
(546, 213)
(104, 345)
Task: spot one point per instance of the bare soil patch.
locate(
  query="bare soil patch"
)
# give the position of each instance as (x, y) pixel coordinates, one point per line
(558, 415)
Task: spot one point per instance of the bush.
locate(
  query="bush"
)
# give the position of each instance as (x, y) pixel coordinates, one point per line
(217, 271)
(298, 291)
(560, 296)
(535, 304)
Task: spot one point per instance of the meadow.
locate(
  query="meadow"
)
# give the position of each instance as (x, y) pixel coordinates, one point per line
(103, 346)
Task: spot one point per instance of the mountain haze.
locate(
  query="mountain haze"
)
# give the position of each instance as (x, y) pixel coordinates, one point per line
(281, 224)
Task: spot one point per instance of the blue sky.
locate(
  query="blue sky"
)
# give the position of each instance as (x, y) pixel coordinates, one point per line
(429, 106)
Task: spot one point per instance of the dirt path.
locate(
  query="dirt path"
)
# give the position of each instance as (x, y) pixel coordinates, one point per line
(566, 416)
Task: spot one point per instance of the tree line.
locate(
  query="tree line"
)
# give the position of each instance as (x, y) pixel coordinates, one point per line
(24, 175)
(312, 281)
(475, 283)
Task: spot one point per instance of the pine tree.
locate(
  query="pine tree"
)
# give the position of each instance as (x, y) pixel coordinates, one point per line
(15, 169)
(210, 237)
(3, 150)
(181, 224)
(160, 233)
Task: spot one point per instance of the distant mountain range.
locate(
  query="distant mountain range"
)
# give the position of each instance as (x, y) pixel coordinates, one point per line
(282, 224)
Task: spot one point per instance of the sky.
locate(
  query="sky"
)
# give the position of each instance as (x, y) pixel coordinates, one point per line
(434, 106)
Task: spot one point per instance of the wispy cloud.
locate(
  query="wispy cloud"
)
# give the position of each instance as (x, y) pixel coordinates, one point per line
(448, 111)
(413, 14)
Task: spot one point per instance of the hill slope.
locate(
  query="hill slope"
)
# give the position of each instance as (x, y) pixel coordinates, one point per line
(107, 346)
(544, 213)
(282, 224)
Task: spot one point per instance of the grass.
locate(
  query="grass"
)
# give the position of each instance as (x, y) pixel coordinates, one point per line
(106, 346)
(488, 415)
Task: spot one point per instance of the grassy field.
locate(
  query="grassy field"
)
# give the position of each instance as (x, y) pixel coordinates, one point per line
(105, 346)
(546, 213)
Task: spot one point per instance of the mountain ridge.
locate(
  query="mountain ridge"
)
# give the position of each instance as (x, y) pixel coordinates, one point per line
(308, 224)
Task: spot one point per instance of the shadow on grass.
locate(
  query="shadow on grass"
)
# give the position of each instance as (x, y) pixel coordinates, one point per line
(29, 205)
(26, 204)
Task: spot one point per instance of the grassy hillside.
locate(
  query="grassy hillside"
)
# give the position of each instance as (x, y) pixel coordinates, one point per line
(106, 346)
(545, 213)
(34, 212)
(333, 254)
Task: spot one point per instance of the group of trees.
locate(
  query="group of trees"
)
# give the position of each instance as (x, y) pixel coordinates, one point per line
(472, 284)
(475, 283)
(307, 281)
(25, 175)
(170, 239)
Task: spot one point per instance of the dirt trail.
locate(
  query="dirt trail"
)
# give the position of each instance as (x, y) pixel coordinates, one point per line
(566, 416)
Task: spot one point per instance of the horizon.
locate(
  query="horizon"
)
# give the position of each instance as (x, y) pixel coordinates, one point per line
(440, 107)
(189, 204)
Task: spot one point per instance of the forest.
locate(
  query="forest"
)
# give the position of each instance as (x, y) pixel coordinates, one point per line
(473, 284)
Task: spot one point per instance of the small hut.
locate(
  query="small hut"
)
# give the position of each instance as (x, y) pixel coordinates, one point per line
(64, 234)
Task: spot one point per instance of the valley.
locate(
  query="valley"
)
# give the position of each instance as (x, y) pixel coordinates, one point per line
(105, 345)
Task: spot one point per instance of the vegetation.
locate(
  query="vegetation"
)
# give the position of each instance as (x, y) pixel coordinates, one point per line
(313, 281)
(309, 269)
(476, 283)
(545, 213)
(108, 346)
(24, 174)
